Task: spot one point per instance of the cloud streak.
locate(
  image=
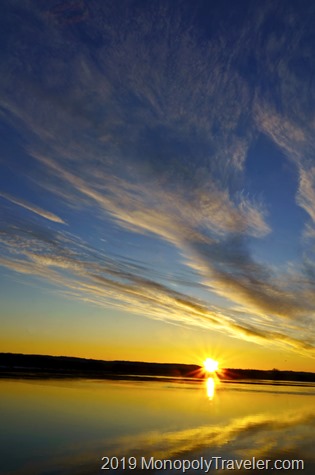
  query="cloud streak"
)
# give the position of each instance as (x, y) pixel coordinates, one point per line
(34, 209)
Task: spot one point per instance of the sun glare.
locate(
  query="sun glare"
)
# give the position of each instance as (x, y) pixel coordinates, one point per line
(210, 365)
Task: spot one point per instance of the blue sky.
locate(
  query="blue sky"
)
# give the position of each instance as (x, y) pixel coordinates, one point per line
(157, 172)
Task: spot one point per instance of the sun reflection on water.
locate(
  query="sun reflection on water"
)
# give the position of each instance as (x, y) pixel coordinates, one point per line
(210, 386)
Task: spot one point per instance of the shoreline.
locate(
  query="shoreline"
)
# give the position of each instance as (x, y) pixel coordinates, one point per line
(42, 376)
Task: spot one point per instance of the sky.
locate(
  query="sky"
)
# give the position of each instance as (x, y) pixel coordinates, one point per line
(157, 180)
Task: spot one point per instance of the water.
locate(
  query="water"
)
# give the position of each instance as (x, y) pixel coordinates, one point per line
(66, 426)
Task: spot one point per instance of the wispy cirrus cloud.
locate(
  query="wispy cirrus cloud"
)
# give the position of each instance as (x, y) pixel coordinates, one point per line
(153, 136)
(81, 272)
(34, 209)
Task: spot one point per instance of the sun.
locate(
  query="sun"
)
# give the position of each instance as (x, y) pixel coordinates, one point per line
(210, 365)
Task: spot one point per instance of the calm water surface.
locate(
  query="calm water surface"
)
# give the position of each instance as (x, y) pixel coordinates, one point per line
(65, 427)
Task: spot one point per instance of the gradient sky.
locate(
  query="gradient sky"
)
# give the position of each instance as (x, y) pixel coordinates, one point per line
(157, 180)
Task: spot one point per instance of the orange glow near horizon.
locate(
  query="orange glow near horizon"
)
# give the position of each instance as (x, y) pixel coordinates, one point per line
(165, 349)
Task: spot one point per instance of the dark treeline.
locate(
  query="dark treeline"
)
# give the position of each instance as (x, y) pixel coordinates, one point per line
(32, 366)
(268, 375)
(77, 367)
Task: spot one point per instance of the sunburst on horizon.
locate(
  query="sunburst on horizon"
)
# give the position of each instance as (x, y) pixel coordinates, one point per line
(211, 365)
